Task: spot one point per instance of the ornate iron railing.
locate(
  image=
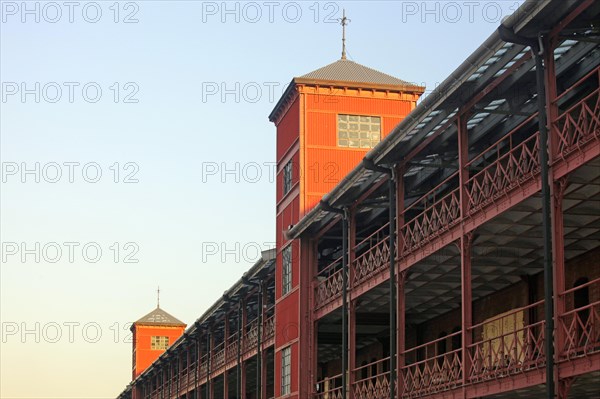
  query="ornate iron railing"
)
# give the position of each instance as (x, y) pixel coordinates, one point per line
(372, 381)
(580, 326)
(269, 327)
(329, 388)
(375, 258)
(437, 216)
(512, 165)
(512, 346)
(436, 371)
(330, 282)
(580, 123)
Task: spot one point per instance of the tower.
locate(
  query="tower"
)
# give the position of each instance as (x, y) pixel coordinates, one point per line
(326, 121)
(152, 335)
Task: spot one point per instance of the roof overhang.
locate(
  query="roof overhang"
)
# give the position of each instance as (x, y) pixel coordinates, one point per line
(533, 17)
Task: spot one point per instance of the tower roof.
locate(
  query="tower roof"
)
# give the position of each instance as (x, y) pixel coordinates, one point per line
(159, 317)
(344, 70)
(346, 73)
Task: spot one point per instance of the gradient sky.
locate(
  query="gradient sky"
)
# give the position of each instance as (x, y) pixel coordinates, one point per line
(65, 320)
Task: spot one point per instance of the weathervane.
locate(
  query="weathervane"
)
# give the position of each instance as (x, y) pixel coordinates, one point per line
(158, 297)
(344, 21)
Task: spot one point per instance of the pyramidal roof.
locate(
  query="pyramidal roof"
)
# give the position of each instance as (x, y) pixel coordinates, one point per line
(159, 317)
(346, 73)
(345, 70)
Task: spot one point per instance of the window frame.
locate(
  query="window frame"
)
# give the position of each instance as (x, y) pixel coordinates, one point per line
(288, 177)
(286, 370)
(286, 270)
(359, 140)
(158, 341)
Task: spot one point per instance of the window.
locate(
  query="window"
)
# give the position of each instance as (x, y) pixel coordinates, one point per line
(358, 131)
(159, 343)
(287, 177)
(286, 370)
(286, 256)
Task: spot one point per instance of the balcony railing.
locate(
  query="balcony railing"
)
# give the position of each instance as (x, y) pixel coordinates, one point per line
(329, 388)
(580, 325)
(512, 164)
(329, 285)
(373, 255)
(440, 211)
(437, 371)
(507, 345)
(372, 380)
(580, 123)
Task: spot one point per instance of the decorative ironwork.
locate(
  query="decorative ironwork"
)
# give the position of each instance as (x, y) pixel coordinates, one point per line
(436, 372)
(374, 386)
(269, 328)
(510, 350)
(375, 258)
(330, 284)
(579, 124)
(329, 388)
(231, 351)
(218, 359)
(581, 325)
(250, 336)
(513, 165)
(438, 215)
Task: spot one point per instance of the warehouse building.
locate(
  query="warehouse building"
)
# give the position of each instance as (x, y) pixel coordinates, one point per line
(449, 249)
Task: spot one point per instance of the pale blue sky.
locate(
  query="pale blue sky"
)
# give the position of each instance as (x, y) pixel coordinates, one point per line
(165, 139)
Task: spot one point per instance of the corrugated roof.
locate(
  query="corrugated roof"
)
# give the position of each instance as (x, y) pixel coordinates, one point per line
(350, 71)
(160, 317)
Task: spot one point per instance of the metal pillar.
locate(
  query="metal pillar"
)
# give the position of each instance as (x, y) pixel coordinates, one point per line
(225, 345)
(392, 282)
(391, 173)
(467, 304)
(197, 394)
(263, 353)
(259, 322)
(465, 248)
(400, 300)
(210, 345)
(538, 51)
(352, 306)
(344, 303)
(547, 225)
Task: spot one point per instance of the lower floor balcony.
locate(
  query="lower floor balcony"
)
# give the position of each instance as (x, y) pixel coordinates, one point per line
(504, 353)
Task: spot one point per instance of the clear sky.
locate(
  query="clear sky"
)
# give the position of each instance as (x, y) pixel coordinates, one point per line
(136, 152)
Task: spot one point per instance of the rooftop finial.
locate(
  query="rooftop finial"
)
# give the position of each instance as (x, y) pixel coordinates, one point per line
(158, 297)
(344, 21)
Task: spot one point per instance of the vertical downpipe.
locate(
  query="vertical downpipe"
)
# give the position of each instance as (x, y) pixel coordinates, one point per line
(546, 219)
(392, 282)
(258, 339)
(344, 302)
(239, 349)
